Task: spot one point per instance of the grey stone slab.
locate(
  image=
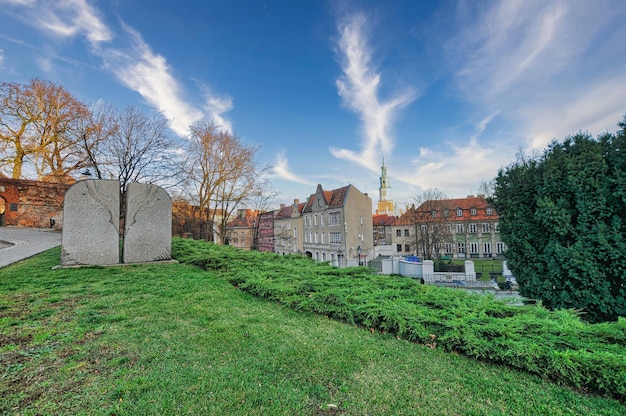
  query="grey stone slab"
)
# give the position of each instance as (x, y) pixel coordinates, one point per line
(147, 224)
(91, 223)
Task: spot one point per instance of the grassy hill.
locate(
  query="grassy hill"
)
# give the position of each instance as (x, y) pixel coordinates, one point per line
(175, 339)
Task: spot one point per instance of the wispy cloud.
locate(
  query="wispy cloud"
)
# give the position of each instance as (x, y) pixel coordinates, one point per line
(148, 73)
(281, 170)
(359, 88)
(67, 18)
(540, 64)
(136, 65)
(440, 169)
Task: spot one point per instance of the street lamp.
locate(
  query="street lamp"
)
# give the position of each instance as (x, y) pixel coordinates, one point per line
(359, 251)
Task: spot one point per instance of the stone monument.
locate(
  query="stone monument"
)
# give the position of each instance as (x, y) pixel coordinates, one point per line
(91, 214)
(147, 224)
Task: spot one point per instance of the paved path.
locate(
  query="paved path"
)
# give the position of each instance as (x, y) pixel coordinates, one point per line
(18, 243)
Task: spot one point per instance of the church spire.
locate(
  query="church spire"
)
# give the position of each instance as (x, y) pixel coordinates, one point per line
(385, 204)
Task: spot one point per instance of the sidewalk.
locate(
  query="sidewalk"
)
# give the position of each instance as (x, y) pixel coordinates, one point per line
(18, 243)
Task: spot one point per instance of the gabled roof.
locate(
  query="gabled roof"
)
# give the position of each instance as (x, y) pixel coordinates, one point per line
(333, 199)
(284, 212)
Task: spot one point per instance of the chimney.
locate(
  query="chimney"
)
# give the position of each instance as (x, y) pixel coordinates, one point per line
(296, 201)
(282, 206)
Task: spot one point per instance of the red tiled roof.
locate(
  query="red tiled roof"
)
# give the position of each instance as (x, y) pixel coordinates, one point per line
(382, 219)
(334, 199)
(338, 197)
(284, 212)
(452, 205)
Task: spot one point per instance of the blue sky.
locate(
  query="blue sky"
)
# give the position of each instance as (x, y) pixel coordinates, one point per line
(447, 92)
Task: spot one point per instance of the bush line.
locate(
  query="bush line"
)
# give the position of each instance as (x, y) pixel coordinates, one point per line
(555, 345)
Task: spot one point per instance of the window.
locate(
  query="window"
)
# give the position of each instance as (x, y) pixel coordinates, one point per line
(487, 248)
(460, 229)
(449, 228)
(324, 256)
(407, 248)
(496, 227)
(317, 255)
(446, 212)
(433, 213)
(306, 237)
(398, 233)
(448, 248)
(321, 219)
(473, 211)
(459, 212)
(406, 232)
(423, 228)
(473, 248)
(334, 218)
(489, 211)
(472, 228)
(315, 238)
(460, 248)
(295, 233)
(486, 228)
(306, 220)
(500, 247)
(322, 235)
(399, 248)
(314, 219)
(335, 238)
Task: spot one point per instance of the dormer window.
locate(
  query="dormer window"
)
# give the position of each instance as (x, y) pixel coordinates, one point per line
(489, 211)
(459, 212)
(473, 211)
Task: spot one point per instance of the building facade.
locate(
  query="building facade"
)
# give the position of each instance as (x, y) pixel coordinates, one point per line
(459, 228)
(242, 230)
(337, 227)
(265, 231)
(382, 229)
(288, 225)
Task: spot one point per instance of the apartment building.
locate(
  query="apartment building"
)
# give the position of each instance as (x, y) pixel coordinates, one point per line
(337, 226)
(460, 228)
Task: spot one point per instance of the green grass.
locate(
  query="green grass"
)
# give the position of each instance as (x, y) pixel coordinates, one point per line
(173, 339)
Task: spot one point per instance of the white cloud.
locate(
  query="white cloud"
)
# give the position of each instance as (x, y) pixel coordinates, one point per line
(281, 171)
(67, 18)
(141, 70)
(451, 170)
(359, 88)
(545, 67)
(216, 106)
(136, 66)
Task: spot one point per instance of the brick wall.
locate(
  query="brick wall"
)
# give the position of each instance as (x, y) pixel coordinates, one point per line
(31, 203)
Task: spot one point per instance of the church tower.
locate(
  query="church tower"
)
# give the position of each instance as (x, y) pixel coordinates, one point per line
(385, 204)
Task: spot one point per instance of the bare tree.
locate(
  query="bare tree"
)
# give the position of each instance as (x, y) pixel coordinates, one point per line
(223, 174)
(94, 135)
(430, 216)
(260, 201)
(39, 126)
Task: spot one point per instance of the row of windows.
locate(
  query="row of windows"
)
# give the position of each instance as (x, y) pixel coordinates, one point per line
(333, 238)
(485, 228)
(460, 248)
(334, 218)
(459, 212)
